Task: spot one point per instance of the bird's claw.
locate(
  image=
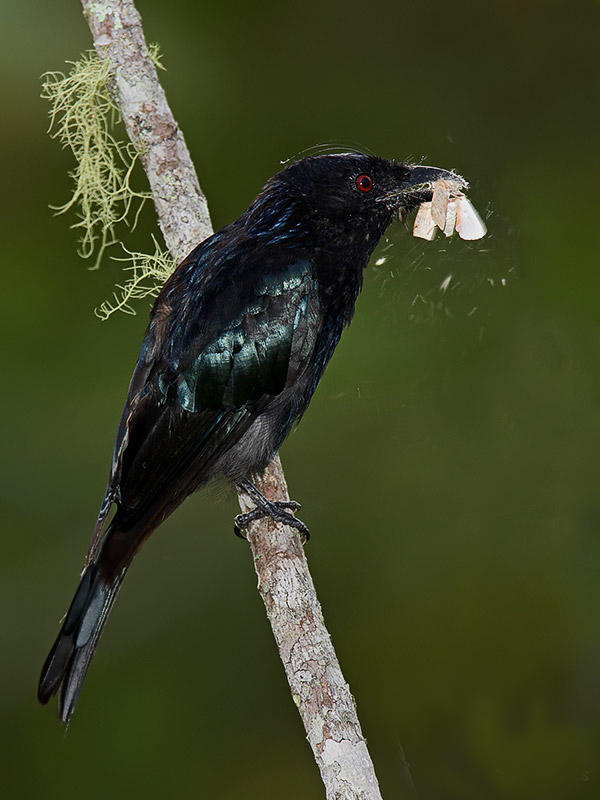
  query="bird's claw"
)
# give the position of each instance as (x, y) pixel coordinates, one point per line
(241, 522)
(279, 511)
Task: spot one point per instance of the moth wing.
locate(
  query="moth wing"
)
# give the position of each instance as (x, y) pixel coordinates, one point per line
(469, 224)
(451, 214)
(424, 226)
(439, 203)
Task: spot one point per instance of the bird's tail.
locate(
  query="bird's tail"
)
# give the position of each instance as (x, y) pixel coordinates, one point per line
(69, 660)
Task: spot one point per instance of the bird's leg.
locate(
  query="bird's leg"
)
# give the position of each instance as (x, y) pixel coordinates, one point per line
(278, 510)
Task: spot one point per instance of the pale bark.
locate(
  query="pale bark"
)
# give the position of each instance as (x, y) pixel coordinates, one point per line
(318, 687)
(313, 671)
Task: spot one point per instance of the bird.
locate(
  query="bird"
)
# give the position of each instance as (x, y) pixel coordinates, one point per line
(237, 342)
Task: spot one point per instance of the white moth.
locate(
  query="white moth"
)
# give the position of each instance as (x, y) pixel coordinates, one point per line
(449, 210)
(424, 226)
(451, 217)
(439, 203)
(469, 224)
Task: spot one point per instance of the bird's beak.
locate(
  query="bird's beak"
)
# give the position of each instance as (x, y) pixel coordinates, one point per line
(422, 178)
(417, 187)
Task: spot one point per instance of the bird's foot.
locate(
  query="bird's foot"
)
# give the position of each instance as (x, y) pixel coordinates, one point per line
(278, 510)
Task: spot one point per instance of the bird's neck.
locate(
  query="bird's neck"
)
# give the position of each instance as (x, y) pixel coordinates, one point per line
(345, 246)
(274, 219)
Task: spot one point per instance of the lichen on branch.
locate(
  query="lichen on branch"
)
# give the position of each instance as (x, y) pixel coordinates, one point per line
(147, 273)
(83, 117)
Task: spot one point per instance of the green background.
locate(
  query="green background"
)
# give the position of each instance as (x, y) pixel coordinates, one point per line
(447, 467)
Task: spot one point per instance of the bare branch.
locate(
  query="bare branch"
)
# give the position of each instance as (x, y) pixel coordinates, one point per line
(313, 671)
(318, 687)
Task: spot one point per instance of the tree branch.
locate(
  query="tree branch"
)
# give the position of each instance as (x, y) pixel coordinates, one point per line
(313, 671)
(318, 687)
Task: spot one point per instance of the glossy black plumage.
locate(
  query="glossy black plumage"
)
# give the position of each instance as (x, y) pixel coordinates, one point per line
(237, 343)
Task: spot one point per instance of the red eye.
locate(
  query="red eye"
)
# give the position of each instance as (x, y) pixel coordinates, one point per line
(364, 183)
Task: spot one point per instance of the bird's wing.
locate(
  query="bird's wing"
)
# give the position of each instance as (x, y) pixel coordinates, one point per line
(198, 387)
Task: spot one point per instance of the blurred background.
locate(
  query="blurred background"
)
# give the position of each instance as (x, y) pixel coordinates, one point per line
(447, 467)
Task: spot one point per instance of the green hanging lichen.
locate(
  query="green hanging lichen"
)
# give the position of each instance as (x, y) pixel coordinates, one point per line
(148, 273)
(83, 117)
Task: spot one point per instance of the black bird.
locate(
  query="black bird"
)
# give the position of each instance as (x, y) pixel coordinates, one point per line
(238, 340)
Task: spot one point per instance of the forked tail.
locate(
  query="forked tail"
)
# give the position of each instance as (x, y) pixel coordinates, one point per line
(69, 660)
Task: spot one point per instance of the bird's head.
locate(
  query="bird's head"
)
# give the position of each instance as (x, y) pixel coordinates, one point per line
(348, 195)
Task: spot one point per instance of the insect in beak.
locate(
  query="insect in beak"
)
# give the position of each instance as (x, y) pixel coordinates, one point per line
(448, 210)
